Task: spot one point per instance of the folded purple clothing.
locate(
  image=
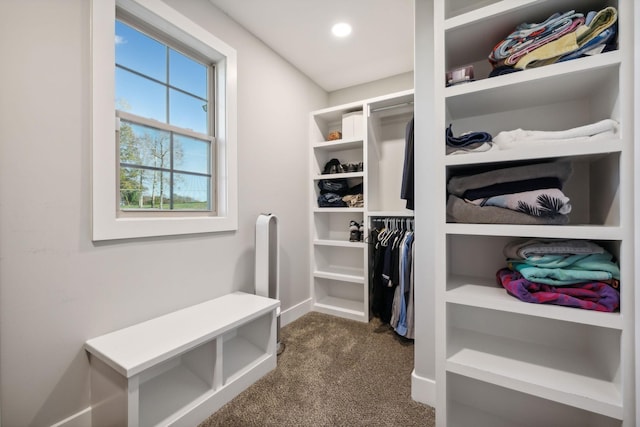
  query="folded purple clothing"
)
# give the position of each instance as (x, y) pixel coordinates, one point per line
(596, 296)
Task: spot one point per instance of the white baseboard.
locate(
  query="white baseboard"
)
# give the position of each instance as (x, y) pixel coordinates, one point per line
(289, 315)
(423, 389)
(80, 419)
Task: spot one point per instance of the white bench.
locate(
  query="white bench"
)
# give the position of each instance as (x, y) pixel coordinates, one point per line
(179, 368)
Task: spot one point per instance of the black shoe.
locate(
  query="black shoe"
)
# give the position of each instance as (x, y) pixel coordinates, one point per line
(354, 231)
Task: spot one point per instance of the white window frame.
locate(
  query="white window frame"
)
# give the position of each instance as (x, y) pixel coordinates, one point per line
(106, 223)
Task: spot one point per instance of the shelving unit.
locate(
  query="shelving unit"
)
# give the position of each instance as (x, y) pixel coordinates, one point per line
(339, 274)
(498, 358)
(179, 368)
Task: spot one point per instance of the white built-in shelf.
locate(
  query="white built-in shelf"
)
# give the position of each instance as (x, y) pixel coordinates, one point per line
(589, 232)
(337, 210)
(338, 145)
(339, 175)
(535, 369)
(554, 83)
(339, 243)
(240, 355)
(158, 396)
(557, 150)
(500, 361)
(486, 293)
(344, 274)
(348, 307)
(387, 214)
(339, 268)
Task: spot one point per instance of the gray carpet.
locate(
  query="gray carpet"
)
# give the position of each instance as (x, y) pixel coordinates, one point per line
(333, 372)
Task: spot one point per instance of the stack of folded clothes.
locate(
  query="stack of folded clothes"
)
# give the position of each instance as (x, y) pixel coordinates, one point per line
(336, 193)
(528, 194)
(574, 273)
(467, 142)
(603, 129)
(561, 37)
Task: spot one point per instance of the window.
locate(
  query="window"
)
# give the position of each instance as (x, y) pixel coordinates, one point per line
(167, 164)
(165, 125)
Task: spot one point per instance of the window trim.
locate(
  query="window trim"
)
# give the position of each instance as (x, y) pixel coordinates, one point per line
(106, 223)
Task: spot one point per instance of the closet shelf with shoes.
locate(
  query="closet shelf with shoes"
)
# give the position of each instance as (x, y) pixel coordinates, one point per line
(352, 179)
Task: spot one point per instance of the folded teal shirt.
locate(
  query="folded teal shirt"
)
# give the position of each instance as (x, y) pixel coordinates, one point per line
(563, 270)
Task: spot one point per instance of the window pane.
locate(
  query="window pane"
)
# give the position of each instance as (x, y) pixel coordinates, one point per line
(144, 146)
(191, 155)
(188, 112)
(191, 192)
(140, 53)
(187, 74)
(140, 96)
(145, 190)
(132, 186)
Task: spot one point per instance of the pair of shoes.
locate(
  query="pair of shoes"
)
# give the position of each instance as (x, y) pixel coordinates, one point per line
(356, 231)
(352, 167)
(333, 166)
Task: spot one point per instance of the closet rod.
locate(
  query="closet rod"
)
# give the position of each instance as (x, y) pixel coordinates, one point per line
(389, 107)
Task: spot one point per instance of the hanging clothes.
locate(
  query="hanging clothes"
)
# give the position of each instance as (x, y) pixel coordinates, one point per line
(391, 277)
(407, 192)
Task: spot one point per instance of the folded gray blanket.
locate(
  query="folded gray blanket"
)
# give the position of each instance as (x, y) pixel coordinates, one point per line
(525, 248)
(460, 211)
(459, 184)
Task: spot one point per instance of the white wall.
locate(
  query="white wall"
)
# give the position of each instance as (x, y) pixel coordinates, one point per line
(57, 288)
(392, 84)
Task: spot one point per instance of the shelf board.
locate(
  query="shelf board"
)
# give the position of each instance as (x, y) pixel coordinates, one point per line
(532, 87)
(485, 293)
(591, 232)
(537, 370)
(341, 306)
(334, 210)
(529, 151)
(401, 214)
(139, 347)
(339, 175)
(159, 401)
(344, 274)
(339, 144)
(240, 355)
(339, 243)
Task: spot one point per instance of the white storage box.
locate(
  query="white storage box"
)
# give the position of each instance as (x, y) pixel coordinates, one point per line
(352, 125)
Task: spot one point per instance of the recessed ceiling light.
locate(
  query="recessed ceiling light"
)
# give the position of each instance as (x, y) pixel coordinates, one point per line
(341, 29)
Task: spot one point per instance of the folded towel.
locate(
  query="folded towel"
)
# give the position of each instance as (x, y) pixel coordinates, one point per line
(512, 187)
(459, 184)
(607, 128)
(589, 296)
(460, 211)
(525, 248)
(555, 49)
(567, 270)
(545, 202)
(604, 19)
(526, 33)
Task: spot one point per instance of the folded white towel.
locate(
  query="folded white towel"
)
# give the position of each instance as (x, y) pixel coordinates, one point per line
(603, 129)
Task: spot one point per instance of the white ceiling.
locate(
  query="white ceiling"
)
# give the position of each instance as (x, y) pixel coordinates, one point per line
(381, 44)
